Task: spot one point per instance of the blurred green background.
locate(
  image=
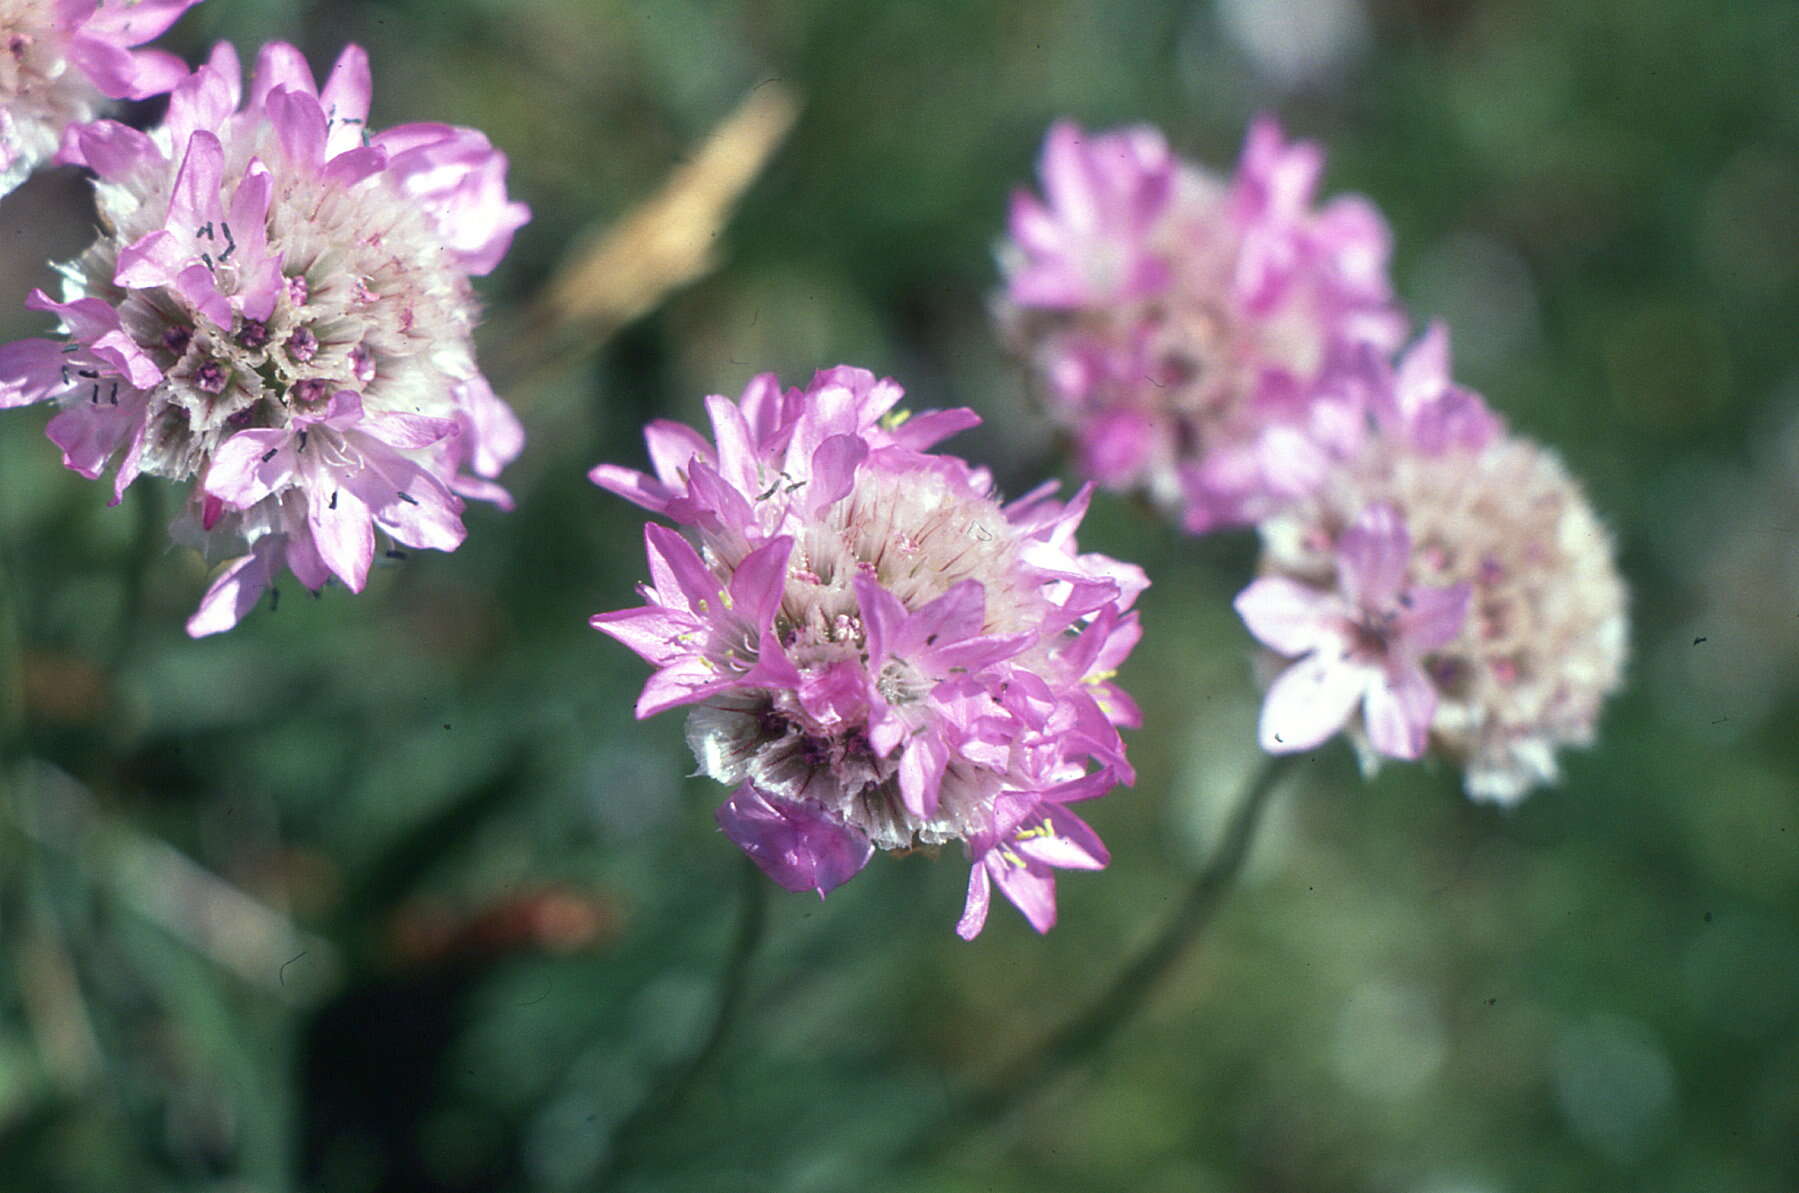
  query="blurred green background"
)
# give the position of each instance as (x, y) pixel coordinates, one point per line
(391, 892)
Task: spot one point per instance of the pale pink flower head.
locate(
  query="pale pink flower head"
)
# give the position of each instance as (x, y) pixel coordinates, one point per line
(1182, 327)
(1452, 582)
(278, 312)
(877, 652)
(61, 60)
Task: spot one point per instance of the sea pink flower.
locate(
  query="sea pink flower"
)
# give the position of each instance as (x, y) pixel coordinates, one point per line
(1183, 327)
(1362, 645)
(279, 312)
(1515, 632)
(60, 60)
(878, 654)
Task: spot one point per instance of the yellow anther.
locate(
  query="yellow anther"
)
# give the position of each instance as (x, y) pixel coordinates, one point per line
(893, 418)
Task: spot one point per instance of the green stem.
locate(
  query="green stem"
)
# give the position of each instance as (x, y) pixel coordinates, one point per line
(1093, 1028)
(664, 1102)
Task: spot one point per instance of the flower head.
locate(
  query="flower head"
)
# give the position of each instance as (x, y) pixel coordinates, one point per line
(1182, 327)
(278, 310)
(61, 59)
(879, 654)
(1452, 582)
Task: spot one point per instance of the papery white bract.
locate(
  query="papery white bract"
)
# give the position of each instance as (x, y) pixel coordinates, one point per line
(1181, 326)
(879, 654)
(278, 310)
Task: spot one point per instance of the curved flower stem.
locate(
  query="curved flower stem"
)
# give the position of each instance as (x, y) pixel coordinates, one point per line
(663, 1102)
(1090, 1030)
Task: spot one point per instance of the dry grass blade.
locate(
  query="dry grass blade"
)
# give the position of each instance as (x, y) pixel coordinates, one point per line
(666, 241)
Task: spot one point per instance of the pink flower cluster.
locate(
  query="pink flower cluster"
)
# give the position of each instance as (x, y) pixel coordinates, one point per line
(1226, 347)
(61, 59)
(1185, 328)
(278, 311)
(878, 653)
(1445, 589)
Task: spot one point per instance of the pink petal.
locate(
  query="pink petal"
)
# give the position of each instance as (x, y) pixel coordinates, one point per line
(408, 431)
(127, 359)
(1063, 840)
(1031, 891)
(834, 467)
(952, 617)
(344, 534)
(203, 100)
(345, 99)
(671, 446)
(112, 150)
(883, 616)
(422, 514)
(736, 452)
(922, 431)
(651, 631)
(109, 67)
(251, 465)
(134, 24)
(198, 286)
(30, 370)
(796, 844)
(1288, 617)
(150, 73)
(195, 199)
(304, 562)
(86, 319)
(89, 432)
(1066, 178)
(350, 167)
(761, 404)
(682, 563)
(921, 773)
(633, 486)
(280, 65)
(495, 434)
(1310, 701)
(835, 695)
(1372, 554)
(300, 124)
(153, 260)
(976, 654)
(1432, 617)
(237, 589)
(686, 681)
(974, 908)
(759, 581)
(1401, 703)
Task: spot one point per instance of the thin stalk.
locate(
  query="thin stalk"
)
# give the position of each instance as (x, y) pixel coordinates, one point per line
(1092, 1029)
(664, 1102)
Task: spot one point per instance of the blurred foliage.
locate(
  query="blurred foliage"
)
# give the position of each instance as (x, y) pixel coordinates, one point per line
(390, 892)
